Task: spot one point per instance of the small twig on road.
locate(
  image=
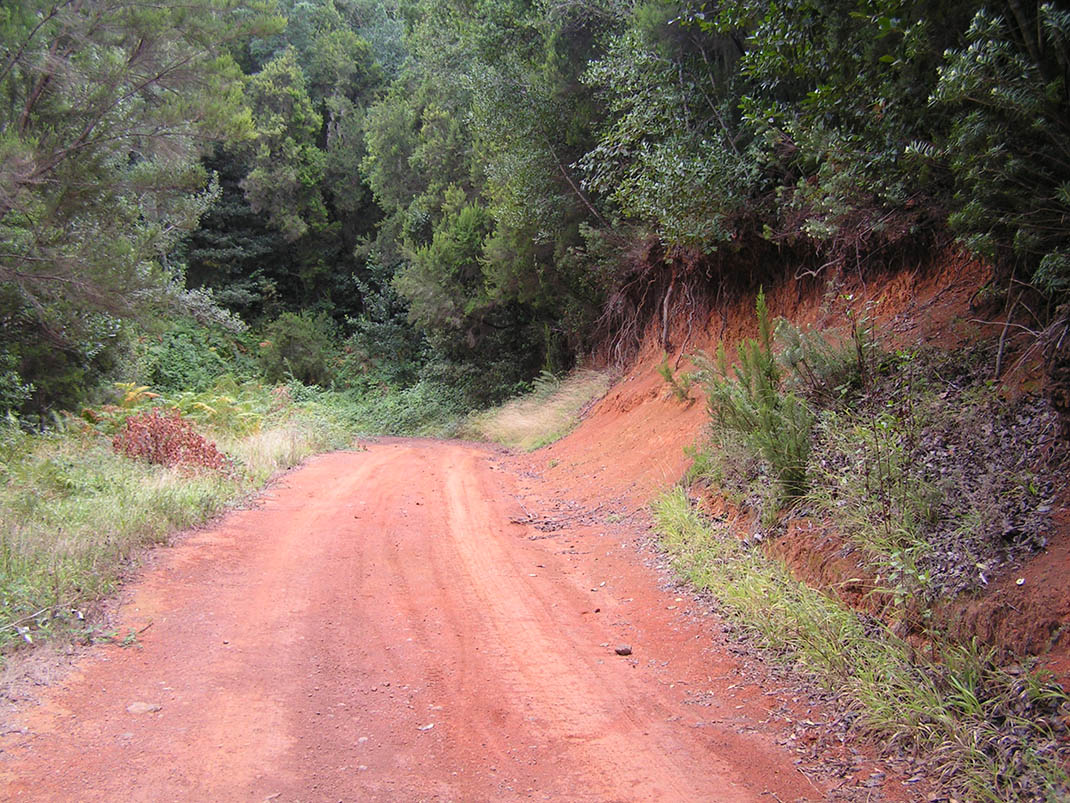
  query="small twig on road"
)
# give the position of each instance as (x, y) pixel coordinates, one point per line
(18, 622)
(526, 511)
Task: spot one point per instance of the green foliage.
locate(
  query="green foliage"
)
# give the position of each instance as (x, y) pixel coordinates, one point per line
(839, 126)
(933, 476)
(287, 167)
(1007, 149)
(302, 346)
(827, 372)
(47, 370)
(192, 357)
(679, 384)
(226, 408)
(428, 408)
(108, 106)
(443, 280)
(490, 166)
(384, 346)
(748, 401)
(991, 732)
(14, 391)
(693, 180)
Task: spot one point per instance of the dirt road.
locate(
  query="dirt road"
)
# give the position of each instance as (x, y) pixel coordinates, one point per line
(389, 624)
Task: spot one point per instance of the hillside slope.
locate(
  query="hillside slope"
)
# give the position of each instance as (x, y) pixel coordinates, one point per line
(632, 443)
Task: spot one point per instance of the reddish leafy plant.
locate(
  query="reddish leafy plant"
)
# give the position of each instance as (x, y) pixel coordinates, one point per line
(165, 438)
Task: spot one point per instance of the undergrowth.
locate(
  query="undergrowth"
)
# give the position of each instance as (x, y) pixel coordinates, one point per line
(546, 414)
(936, 480)
(746, 403)
(993, 733)
(78, 500)
(914, 455)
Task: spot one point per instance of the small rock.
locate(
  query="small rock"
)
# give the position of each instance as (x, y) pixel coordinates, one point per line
(623, 649)
(143, 708)
(426, 727)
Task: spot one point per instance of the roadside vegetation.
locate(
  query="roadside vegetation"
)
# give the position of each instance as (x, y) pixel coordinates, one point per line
(936, 481)
(80, 496)
(283, 223)
(992, 732)
(460, 195)
(549, 412)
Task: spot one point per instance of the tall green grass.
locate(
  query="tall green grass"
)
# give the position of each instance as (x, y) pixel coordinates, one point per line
(73, 512)
(995, 734)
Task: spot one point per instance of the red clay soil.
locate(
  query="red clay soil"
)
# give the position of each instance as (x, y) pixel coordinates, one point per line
(394, 624)
(633, 440)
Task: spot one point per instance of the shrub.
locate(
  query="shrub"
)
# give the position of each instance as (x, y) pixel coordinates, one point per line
(191, 357)
(679, 384)
(300, 346)
(749, 402)
(165, 438)
(826, 371)
(14, 392)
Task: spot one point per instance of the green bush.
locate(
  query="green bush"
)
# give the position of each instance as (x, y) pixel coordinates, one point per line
(428, 408)
(301, 346)
(1007, 90)
(191, 357)
(748, 401)
(14, 390)
(825, 371)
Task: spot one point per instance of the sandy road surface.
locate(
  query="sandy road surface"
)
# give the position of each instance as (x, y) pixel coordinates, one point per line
(380, 628)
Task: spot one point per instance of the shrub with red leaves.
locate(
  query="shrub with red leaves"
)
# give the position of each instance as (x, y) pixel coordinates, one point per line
(164, 437)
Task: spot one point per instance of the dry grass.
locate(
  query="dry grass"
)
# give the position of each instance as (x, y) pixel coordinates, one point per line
(543, 416)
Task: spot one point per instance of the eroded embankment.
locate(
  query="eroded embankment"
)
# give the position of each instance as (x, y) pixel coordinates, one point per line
(633, 441)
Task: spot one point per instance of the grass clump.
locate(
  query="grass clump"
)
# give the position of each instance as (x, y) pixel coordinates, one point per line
(992, 733)
(72, 511)
(546, 414)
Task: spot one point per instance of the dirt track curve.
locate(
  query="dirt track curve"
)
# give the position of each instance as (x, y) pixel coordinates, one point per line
(388, 625)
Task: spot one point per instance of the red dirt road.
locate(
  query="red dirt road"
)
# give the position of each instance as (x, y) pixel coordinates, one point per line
(381, 627)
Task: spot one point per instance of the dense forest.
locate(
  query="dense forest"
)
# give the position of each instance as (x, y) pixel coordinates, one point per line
(366, 195)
